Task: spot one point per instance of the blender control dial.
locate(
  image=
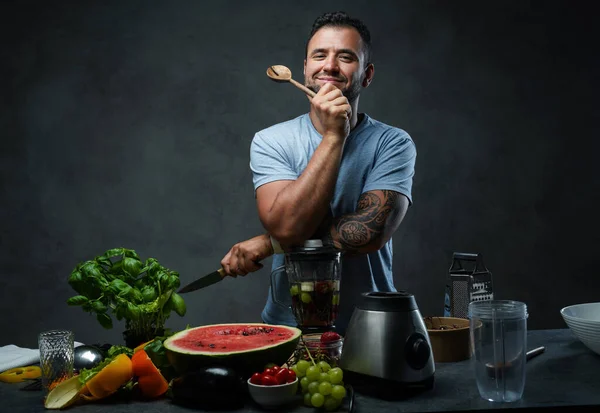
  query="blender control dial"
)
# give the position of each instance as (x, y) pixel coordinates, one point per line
(417, 351)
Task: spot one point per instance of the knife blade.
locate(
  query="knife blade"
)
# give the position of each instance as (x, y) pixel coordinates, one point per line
(205, 281)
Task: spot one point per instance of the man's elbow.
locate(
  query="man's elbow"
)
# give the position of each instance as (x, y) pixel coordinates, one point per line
(286, 234)
(374, 245)
(287, 238)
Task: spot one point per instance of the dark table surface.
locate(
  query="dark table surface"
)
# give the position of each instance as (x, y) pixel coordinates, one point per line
(566, 375)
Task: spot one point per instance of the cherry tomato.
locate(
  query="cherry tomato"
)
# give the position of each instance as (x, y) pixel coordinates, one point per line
(268, 380)
(291, 376)
(256, 378)
(275, 369)
(282, 376)
(269, 372)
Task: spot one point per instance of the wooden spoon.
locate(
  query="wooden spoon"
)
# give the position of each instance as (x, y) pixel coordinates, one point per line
(280, 73)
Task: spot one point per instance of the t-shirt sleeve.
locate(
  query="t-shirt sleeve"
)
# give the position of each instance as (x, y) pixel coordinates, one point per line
(269, 161)
(394, 165)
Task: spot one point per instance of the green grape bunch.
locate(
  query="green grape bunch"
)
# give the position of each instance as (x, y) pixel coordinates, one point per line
(322, 385)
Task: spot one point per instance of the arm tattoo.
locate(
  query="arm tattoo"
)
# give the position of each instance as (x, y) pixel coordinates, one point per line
(368, 222)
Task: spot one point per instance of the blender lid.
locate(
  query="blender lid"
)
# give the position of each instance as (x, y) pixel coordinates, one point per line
(314, 247)
(388, 301)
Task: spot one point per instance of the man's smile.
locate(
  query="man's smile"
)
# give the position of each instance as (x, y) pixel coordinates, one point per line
(329, 79)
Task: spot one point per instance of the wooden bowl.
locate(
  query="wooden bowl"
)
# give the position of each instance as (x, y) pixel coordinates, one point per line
(450, 338)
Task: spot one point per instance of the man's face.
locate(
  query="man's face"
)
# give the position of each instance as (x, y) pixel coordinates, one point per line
(335, 55)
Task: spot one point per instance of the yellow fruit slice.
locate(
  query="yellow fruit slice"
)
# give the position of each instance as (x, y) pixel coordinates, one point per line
(64, 394)
(20, 374)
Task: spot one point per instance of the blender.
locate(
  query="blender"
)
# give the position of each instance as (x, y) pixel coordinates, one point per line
(313, 272)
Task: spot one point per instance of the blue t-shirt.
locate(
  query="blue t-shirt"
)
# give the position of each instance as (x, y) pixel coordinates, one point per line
(376, 157)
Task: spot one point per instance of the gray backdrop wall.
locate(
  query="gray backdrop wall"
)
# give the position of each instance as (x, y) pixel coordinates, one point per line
(129, 124)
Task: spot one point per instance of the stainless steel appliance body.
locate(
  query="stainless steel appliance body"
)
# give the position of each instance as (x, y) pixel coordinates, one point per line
(387, 342)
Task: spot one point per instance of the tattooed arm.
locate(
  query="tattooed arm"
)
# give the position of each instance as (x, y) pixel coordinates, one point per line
(377, 216)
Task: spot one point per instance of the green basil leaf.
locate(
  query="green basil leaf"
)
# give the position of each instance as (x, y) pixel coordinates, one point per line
(117, 268)
(153, 268)
(167, 308)
(104, 320)
(173, 281)
(163, 279)
(119, 287)
(130, 254)
(131, 266)
(133, 312)
(92, 269)
(157, 353)
(150, 262)
(149, 294)
(101, 283)
(77, 300)
(115, 252)
(75, 278)
(135, 295)
(178, 304)
(102, 260)
(81, 286)
(125, 291)
(98, 306)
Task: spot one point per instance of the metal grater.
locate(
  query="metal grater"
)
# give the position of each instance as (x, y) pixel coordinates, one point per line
(468, 280)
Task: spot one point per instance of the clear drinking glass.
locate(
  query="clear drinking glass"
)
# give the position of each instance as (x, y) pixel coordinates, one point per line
(498, 330)
(56, 357)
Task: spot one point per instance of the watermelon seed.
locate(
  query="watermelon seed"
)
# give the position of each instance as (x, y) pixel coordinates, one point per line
(245, 333)
(211, 345)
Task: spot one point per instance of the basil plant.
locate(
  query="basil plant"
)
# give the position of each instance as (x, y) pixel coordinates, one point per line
(118, 283)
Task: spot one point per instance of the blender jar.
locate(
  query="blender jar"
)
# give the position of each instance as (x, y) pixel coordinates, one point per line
(314, 273)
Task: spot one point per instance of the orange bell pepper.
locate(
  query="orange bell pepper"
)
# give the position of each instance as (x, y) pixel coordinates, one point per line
(20, 374)
(108, 380)
(151, 382)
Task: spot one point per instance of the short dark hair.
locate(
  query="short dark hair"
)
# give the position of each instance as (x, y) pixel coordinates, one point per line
(341, 19)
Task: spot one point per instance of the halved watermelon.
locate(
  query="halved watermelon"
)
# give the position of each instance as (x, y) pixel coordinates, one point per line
(243, 347)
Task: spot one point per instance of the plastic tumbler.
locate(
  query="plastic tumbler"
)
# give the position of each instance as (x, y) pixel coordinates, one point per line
(498, 330)
(56, 357)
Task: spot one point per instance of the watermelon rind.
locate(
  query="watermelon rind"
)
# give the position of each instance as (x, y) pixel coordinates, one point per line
(246, 362)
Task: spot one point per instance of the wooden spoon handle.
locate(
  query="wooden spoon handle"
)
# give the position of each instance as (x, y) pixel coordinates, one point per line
(303, 88)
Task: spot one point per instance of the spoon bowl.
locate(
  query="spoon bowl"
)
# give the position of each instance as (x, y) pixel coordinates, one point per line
(280, 73)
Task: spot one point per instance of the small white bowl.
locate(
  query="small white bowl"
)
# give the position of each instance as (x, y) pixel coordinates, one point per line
(272, 397)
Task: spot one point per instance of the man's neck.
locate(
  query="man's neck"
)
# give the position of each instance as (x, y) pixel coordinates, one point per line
(353, 119)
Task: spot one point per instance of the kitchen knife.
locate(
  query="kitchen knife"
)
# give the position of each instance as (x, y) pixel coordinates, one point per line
(205, 281)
